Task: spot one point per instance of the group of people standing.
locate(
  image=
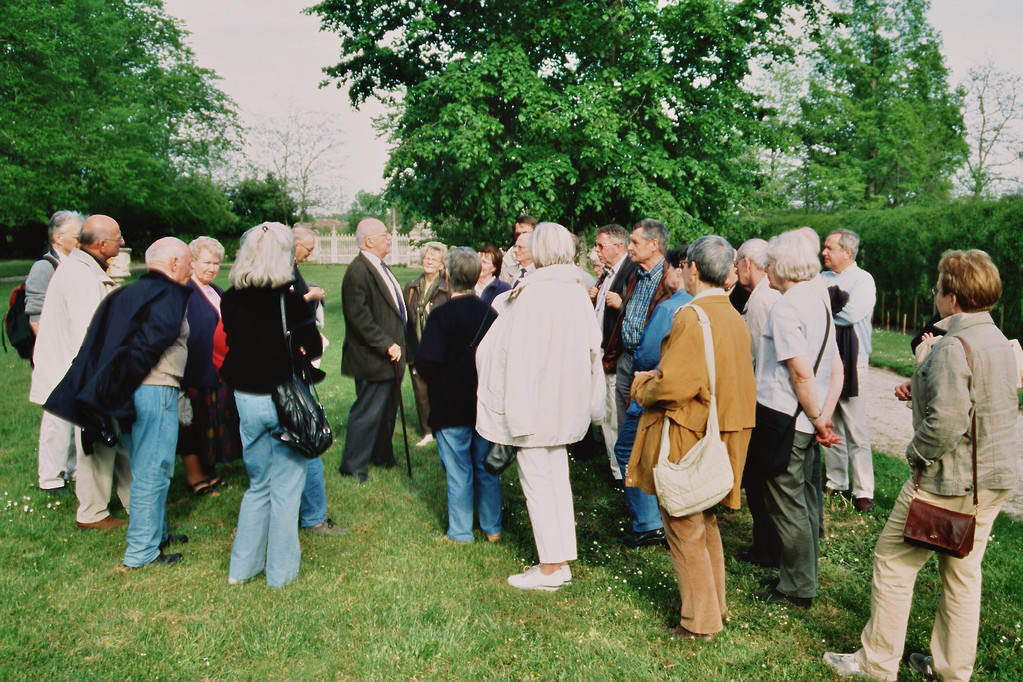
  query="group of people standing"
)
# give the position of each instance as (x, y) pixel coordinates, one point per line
(528, 351)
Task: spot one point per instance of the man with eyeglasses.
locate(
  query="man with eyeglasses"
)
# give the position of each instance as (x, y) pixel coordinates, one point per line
(375, 318)
(606, 294)
(75, 291)
(511, 268)
(57, 458)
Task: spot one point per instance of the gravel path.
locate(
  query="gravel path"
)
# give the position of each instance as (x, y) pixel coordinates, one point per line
(891, 425)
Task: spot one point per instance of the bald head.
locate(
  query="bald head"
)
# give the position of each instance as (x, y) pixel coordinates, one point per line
(372, 236)
(809, 234)
(101, 237)
(170, 256)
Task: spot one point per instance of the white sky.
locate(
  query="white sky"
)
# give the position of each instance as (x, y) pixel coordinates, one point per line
(270, 57)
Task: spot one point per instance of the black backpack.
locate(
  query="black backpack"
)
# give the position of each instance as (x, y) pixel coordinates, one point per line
(16, 327)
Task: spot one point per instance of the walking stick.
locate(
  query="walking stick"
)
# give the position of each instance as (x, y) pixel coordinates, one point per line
(401, 407)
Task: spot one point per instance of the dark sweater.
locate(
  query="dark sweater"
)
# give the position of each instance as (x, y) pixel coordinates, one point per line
(257, 355)
(446, 359)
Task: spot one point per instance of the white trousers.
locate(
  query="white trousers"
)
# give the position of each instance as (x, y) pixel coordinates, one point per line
(896, 564)
(853, 455)
(56, 451)
(609, 426)
(98, 473)
(543, 473)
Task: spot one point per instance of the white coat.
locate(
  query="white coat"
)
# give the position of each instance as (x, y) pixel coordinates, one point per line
(75, 291)
(541, 383)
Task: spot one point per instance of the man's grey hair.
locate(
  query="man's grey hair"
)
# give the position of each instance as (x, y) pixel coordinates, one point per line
(793, 258)
(163, 251)
(61, 218)
(756, 250)
(615, 232)
(439, 248)
(654, 229)
(848, 240)
(714, 258)
(463, 269)
(551, 244)
(266, 257)
(200, 244)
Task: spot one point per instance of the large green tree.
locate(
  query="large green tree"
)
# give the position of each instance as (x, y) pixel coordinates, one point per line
(880, 125)
(578, 111)
(103, 109)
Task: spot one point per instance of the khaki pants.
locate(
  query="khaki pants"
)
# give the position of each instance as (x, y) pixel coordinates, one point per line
(610, 424)
(896, 564)
(699, 563)
(98, 473)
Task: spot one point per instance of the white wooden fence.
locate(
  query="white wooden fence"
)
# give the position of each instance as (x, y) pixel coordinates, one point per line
(342, 248)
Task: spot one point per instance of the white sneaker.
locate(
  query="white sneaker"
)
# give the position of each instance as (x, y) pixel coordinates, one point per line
(427, 439)
(534, 579)
(845, 665)
(567, 573)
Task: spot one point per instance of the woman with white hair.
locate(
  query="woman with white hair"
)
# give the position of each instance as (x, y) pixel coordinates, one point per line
(258, 359)
(541, 385)
(212, 436)
(798, 368)
(422, 295)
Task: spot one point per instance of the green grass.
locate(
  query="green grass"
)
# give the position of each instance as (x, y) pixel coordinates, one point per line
(391, 602)
(891, 350)
(15, 268)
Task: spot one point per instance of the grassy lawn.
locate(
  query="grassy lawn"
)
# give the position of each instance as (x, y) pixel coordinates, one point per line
(891, 351)
(390, 601)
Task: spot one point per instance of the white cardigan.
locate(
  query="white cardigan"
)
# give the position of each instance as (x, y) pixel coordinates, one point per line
(541, 383)
(75, 291)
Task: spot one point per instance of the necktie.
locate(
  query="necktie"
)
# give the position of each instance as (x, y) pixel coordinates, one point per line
(522, 276)
(397, 291)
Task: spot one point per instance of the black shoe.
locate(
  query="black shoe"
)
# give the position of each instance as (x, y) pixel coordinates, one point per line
(922, 664)
(57, 492)
(773, 596)
(160, 559)
(174, 540)
(644, 538)
(757, 559)
(361, 478)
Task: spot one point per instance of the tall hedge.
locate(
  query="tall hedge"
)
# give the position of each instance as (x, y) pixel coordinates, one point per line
(901, 248)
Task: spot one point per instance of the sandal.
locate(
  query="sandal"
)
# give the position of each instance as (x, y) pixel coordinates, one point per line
(202, 488)
(217, 482)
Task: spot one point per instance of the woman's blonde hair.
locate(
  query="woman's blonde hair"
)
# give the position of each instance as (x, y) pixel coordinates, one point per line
(266, 257)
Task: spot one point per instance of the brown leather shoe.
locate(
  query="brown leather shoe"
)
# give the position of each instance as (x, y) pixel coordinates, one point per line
(689, 636)
(495, 537)
(863, 504)
(106, 523)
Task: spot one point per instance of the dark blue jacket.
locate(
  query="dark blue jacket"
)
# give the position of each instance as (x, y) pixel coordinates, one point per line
(129, 333)
(202, 322)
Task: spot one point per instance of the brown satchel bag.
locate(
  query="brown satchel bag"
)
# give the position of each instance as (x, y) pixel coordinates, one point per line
(938, 529)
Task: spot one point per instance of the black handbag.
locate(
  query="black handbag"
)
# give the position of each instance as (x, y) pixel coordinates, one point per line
(302, 422)
(499, 458)
(936, 528)
(770, 444)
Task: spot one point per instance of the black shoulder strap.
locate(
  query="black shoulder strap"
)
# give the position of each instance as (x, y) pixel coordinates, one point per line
(53, 261)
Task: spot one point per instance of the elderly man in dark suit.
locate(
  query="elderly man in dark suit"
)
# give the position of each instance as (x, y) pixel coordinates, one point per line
(375, 318)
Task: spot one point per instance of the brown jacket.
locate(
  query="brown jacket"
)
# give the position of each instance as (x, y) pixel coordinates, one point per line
(682, 393)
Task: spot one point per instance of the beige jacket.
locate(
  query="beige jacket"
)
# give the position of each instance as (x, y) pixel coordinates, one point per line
(75, 290)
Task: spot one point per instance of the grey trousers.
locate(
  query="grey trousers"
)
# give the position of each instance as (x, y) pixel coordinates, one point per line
(792, 502)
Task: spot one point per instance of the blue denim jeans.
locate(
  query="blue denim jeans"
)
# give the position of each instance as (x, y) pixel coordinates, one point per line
(267, 535)
(151, 441)
(313, 510)
(642, 508)
(462, 452)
